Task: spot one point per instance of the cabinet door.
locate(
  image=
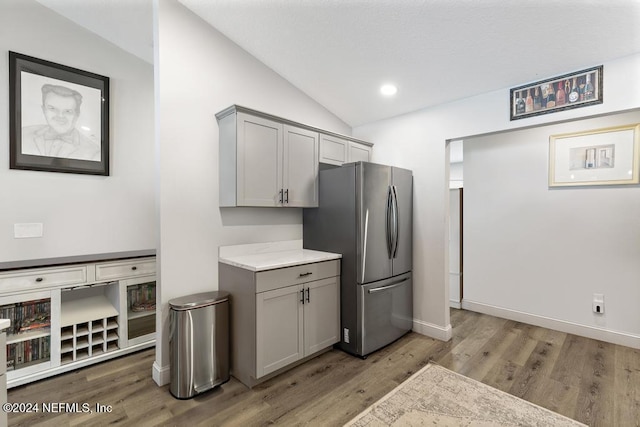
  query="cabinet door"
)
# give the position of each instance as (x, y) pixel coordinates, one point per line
(359, 152)
(321, 314)
(279, 339)
(259, 173)
(333, 150)
(300, 180)
(33, 338)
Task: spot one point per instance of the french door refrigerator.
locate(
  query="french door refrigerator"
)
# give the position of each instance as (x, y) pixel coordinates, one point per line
(365, 214)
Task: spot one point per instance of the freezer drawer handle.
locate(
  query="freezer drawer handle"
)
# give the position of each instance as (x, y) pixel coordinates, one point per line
(308, 273)
(384, 288)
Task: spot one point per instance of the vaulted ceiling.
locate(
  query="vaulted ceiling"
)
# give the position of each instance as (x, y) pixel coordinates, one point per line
(339, 52)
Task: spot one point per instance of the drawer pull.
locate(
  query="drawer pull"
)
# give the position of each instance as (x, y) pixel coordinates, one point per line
(134, 268)
(39, 279)
(309, 273)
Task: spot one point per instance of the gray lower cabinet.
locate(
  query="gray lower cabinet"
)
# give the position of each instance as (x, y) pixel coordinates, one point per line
(280, 317)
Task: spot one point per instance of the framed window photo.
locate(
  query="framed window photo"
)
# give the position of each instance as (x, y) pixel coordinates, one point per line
(579, 89)
(59, 117)
(597, 157)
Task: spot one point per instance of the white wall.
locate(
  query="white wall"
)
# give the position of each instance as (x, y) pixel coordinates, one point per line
(543, 252)
(199, 73)
(456, 175)
(81, 214)
(417, 141)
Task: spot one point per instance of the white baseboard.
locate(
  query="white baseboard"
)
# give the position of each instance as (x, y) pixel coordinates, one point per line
(432, 331)
(161, 375)
(455, 304)
(614, 337)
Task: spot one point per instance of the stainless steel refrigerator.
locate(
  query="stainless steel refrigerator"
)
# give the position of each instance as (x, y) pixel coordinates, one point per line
(365, 214)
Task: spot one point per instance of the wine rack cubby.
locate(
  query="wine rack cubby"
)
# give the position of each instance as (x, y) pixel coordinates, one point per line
(88, 339)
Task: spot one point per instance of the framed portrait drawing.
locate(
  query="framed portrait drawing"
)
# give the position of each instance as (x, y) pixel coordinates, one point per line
(59, 117)
(606, 156)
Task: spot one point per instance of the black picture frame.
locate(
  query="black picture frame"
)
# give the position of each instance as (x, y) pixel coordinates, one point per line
(59, 117)
(523, 101)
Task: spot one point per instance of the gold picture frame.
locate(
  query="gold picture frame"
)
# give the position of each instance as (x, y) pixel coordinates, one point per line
(607, 156)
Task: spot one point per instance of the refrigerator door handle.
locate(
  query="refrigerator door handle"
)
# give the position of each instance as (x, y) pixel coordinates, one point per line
(396, 230)
(385, 288)
(390, 222)
(364, 245)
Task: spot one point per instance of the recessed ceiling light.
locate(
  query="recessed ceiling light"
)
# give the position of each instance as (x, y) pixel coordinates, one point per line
(388, 90)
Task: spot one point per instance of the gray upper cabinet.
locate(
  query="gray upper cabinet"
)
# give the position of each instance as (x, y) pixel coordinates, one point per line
(270, 161)
(259, 161)
(300, 172)
(338, 151)
(265, 162)
(358, 152)
(333, 150)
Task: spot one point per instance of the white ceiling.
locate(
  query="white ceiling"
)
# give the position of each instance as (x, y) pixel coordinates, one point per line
(340, 51)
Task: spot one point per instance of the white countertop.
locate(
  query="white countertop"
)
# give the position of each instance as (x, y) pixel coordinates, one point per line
(269, 256)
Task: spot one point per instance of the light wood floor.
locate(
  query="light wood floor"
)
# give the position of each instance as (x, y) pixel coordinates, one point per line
(591, 381)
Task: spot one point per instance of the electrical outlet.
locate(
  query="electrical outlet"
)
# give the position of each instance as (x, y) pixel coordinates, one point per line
(598, 303)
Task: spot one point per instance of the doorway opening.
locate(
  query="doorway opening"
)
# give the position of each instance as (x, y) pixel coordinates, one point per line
(456, 184)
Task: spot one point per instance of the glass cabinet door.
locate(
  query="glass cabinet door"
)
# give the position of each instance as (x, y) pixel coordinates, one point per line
(141, 310)
(29, 336)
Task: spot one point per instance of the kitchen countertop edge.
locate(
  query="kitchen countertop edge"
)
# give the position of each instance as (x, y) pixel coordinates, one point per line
(280, 259)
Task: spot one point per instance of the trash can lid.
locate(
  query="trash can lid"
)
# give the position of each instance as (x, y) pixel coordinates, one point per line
(198, 300)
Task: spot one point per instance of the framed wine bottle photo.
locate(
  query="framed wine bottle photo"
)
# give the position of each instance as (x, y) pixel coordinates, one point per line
(574, 90)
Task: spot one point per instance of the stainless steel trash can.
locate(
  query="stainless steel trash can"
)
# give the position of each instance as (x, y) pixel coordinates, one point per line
(198, 343)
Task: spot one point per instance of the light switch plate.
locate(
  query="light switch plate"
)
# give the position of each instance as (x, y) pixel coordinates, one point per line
(27, 230)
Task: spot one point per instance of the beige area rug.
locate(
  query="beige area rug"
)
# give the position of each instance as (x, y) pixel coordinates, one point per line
(436, 396)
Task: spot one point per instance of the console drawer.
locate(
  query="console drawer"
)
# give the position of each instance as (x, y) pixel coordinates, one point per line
(44, 278)
(124, 269)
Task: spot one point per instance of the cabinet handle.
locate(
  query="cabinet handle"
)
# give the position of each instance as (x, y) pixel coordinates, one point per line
(134, 268)
(302, 296)
(280, 200)
(309, 273)
(39, 279)
(308, 301)
(286, 194)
